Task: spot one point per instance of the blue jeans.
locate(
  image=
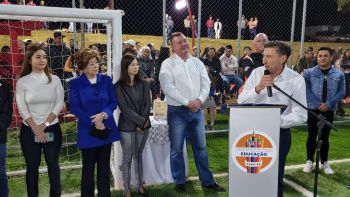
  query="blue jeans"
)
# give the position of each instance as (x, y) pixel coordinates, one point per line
(210, 32)
(4, 190)
(285, 143)
(229, 79)
(180, 120)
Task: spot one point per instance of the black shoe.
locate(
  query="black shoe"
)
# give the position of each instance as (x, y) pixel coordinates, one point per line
(348, 186)
(180, 188)
(143, 193)
(215, 187)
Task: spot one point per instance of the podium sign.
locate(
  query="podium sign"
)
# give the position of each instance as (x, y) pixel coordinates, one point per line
(253, 155)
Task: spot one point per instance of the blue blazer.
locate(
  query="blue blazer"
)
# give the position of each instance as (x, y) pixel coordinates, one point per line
(88, 99)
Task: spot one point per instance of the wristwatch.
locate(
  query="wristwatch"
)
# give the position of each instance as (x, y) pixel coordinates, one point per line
(47, 124)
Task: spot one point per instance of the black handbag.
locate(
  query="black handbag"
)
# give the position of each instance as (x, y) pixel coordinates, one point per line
(101, 134)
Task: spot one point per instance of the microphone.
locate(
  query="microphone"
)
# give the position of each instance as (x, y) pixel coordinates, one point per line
(269, 89)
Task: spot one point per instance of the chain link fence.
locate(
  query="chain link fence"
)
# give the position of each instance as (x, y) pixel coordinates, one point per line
(143, 31)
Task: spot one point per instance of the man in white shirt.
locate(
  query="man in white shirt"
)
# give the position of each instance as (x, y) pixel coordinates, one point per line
(186, 84)
(275, 56)
(229, 71)
(217, 28)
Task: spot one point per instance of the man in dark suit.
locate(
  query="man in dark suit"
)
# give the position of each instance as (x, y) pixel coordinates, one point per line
(5, 120)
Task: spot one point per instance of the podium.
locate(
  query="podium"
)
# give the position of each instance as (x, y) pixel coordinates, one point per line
(254, 133)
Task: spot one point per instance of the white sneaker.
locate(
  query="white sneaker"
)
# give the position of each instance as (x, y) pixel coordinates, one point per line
(326, 168)
(308, 167)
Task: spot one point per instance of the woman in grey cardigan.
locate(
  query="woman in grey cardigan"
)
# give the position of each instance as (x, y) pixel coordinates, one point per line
(135, 104)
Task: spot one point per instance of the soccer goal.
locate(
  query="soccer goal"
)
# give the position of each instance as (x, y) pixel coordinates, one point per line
(22, 25)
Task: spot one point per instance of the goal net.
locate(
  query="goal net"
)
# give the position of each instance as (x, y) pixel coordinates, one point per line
(81, 28)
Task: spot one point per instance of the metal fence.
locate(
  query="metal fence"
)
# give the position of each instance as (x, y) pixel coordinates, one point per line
(300, 23)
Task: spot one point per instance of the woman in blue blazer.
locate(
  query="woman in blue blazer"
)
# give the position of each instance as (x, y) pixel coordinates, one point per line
(93, 100)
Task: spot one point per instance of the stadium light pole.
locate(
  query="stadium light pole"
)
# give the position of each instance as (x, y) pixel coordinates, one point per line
(180, 4)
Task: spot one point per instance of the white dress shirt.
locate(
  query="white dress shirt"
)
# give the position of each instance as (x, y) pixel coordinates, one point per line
(289, 81)
(183, 81)
(37, 98)
(229, 65)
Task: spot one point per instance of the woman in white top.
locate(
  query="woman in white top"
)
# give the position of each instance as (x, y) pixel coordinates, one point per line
(39, 98)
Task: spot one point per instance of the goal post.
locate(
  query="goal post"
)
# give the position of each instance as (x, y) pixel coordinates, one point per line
(19, 14)
(113, 18)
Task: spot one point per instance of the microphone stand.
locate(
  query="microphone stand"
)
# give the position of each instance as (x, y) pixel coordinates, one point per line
(320, 124)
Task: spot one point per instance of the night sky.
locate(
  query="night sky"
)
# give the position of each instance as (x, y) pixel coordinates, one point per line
(275, 17)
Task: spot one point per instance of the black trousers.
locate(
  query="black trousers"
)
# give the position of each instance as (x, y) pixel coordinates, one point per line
(100, 156)
(312, 135)
(32, 155)
(285, 143)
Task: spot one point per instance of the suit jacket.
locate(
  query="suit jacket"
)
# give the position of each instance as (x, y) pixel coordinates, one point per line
(133, 114)
(5, 110)
(88, 99)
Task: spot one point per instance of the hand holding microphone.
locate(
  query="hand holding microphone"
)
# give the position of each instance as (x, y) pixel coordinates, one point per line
(265, 82)
(269, 89)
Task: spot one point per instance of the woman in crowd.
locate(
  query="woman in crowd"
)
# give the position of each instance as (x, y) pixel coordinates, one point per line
(147, 66)
(93, 100)
(135, 104)
(39, 98)
(214, 68)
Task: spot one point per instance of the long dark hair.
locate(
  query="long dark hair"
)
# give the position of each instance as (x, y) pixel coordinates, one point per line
(27, 66)
(124, 76)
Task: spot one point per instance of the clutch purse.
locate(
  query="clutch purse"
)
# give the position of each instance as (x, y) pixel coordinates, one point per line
(101, 134)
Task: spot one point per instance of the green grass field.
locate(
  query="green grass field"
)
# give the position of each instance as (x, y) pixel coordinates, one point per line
(217, 147)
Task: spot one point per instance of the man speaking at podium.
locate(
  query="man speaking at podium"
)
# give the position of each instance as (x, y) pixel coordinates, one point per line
(258, 90)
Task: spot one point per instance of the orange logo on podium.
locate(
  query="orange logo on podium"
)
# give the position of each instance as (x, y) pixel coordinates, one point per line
(254, 152)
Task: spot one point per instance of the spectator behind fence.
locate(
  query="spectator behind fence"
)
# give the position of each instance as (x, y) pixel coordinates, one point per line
(276, 55)
(186, 84)
(305, 62)
(31, 3)
(58, 54)
(5, 121)
(187, 25)
(169, 26)
(246, 64)
(217, 28)
(210, 27)
(214, 69)
(5, 2)
(229, 71)
(146, 72)
(252, 27)
(242, 23)
(325, 87)
(39, 97)
(257, 57)
(135, 104)
(93, 100)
